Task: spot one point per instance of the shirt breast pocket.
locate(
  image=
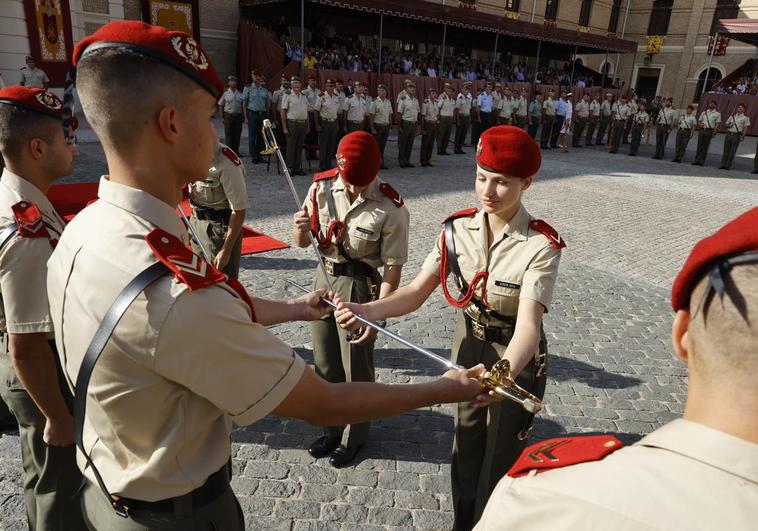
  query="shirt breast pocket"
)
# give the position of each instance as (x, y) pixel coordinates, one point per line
(364, 240)
(503, 296)
(208, 192)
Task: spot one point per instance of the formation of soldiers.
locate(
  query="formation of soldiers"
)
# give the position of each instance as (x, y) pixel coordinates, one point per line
(126, 417)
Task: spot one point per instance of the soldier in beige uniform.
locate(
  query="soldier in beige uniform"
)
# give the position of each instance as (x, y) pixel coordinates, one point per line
(620, 112)
(339, 88)
(430, 116)
(633, 108)
(356, 109)
(592, 122)
(582, 111)
(708, 124)
(275, 108)
(446, 106)
(606, 121)
(463, 104)
(505, 107)
(698, 472)
(380, 120)
(158, 394)
(327, 111)
(361, 225)
(505, 263)
(36, 153)
(548, 119)
(520, 108)
(312, 94)
(684, 131)
(219, 203)
(736, 129)
(640, 122)
(295, 120)
(664, 123)
(408, 110)
(33, 77)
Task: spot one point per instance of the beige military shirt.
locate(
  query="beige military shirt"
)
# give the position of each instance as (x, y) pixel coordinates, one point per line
(409, 109)
(356, 108)
(296, 106)
(446, 106)
(582, 109)
(464, 103)
(34, 78)
(710, 119)
(505, 107)
(737, 123)
(328, 106)
(642, 118)
(621, 112)
(312, 95)
(401, 96)
(666, 116)
(687, 121)
(278, 97)
(181, 365)
(632, 107)
(381, 110)
(376, 230)
(682, 477)
(429, 111)
(224, 188)
(549, 106)
(606, 109)
(496, 98)
(521, 262)
(231, 101)
(594, 109)
(23, 261)
(520, 106)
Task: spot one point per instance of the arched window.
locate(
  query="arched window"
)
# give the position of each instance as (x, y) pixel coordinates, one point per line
(660, 16)
(584, 13)
(551, 10)
(613, 22)
(713, 77)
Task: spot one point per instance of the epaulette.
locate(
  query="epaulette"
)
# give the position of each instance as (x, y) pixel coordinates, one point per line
(563, 451)
(29, 220)
(231, 155)
(466, 212)
(393, 194)
(188, 268)
(549, 232)
(402, 97)
(323, 175)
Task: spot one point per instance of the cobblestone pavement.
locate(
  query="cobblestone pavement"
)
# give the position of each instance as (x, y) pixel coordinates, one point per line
(629, 224)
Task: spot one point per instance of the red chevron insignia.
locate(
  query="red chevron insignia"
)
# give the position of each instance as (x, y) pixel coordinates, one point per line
(564, 451)
(328, 174)
(549, 232)
(29, 220)
(231, 155)
(393, 194)
(188, 267)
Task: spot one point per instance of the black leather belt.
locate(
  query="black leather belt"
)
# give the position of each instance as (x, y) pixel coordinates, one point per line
(211, 214)
(348, 269)
(491, 334)
(214, 486)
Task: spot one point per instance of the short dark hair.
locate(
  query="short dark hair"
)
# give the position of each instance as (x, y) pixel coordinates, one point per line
(18, 126)
(119, 88)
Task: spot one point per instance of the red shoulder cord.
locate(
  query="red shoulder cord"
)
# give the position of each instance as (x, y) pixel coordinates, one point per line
(334, 231)
(465, 300)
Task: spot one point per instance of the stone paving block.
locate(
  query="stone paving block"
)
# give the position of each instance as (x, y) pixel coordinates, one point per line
(370, 497)
(278, 489)
(323, 493)
(416, 500)
(256, 505)
(390, 516)
(432, 520)
(266, 469)
(344, 513)
(299, 509)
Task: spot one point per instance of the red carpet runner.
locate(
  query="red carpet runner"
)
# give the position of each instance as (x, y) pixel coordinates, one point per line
(69, 199)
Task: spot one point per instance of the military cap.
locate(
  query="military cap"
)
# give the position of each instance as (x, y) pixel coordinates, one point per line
(381, 86)
(713, 256)
(447, 86)
(328, 81)
(357, 84)
(407, 82)
(33, 99)
(174, 49)
(294, 78)
(467, 84)
(358, 158)
(232, 77)
(508, 150)
(410, 84)
(433, 89)
(311, 76)
(255, 72)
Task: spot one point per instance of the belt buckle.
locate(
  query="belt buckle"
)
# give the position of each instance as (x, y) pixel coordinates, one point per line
(329, 267)
(479, 330)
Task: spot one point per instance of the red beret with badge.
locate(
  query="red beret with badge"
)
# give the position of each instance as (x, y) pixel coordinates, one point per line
(510, 151)
(33, 99)
(358, 158)
(172, 48)
(736, 243)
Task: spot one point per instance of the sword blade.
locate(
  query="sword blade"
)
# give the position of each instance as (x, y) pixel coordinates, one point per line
(194, 235)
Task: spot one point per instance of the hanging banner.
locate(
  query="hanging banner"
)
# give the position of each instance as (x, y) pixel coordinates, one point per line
(175, 15)
(721, 45)
(654, 44)
(48, 24)
(467, 4)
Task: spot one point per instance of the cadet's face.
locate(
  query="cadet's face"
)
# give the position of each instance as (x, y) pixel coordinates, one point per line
(353, 189)
(59, 155)
(199, 135)
(499, 194)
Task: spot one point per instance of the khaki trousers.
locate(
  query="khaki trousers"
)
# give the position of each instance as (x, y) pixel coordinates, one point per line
(464, 120)
(636, 138)
(682, 139)
(661, 137)
(486, 440)
(337, 360)
(731, 143)
(212, 234)
(704, 137)
(443, 133)
(581, 123)
(591, 124)
(616, 133)
(520, 121)
(222, 514)
(382, 133)
(295, 144)
(327, 144)
(547, 130)
(605, 121)
(51, 478)
(427, 141)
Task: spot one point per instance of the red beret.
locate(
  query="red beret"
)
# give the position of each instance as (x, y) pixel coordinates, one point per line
(508, 150)
(358, 158)
(33, 99)
(737, 237)
(173, 48)
(255, 72)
